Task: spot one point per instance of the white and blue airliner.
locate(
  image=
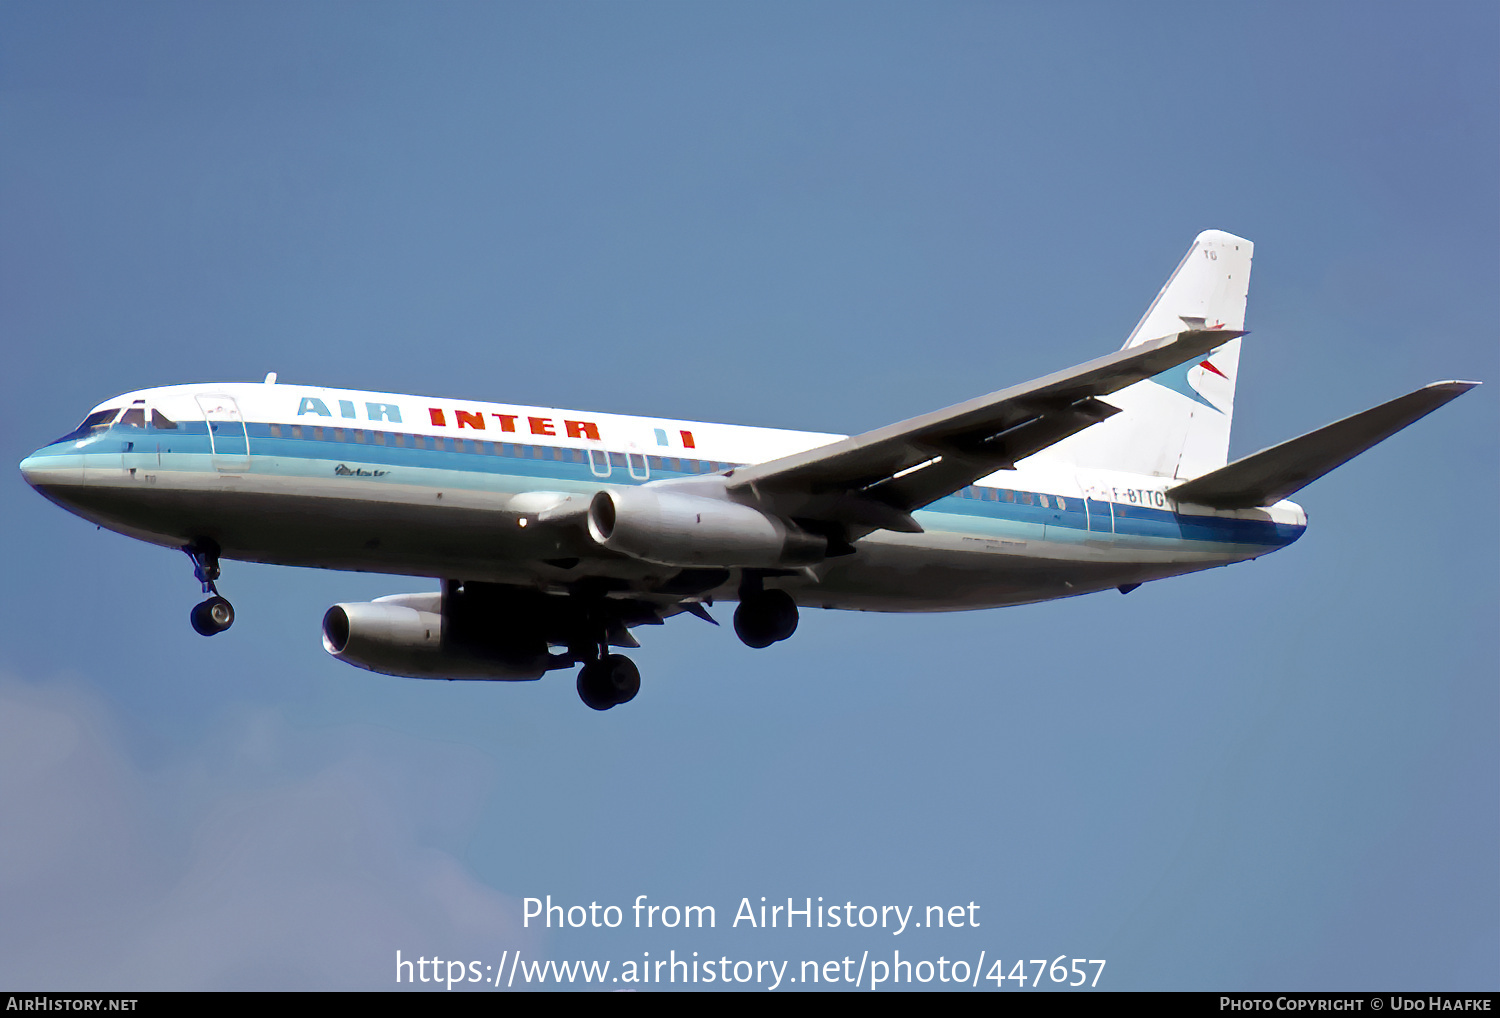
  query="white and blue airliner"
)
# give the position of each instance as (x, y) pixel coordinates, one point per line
(555, 532)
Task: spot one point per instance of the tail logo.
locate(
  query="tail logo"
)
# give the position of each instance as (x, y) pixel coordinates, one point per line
(1176, 379)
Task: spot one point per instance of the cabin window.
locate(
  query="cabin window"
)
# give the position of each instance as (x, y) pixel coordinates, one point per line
(318, 433)
(656, 462)
(617, 459)
(161, 421)
(557, 453)
(1026, 498)
(1062, 503)
(1045, 503)
(296, 431)
(359, 436)
(275, 431)
(135, 417)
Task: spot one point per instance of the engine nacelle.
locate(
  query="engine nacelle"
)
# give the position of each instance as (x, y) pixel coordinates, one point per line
(399, 636)
(678, 529)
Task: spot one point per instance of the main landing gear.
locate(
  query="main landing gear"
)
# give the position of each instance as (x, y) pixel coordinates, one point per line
(764, 616)
(608, 681)
(215, 614)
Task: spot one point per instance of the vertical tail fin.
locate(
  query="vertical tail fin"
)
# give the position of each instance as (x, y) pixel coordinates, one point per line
(1177, 424)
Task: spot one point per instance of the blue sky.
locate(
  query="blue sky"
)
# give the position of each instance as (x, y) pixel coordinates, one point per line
(827, 216)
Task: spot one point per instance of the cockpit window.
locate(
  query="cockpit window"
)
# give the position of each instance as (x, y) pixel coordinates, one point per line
(135, 417)
(93, 422)
(162, 421)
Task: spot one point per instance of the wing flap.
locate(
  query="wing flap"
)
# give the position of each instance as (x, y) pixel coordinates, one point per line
(1273, 474)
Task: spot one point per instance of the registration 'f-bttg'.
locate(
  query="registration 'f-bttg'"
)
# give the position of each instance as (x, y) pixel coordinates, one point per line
(556, 532)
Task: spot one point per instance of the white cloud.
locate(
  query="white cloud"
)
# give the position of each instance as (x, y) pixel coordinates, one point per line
(263, 857)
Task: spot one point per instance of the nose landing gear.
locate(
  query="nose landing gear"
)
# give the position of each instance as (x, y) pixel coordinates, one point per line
(215, 614)
(212, 616)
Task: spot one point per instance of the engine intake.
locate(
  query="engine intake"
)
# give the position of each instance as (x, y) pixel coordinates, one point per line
(677, 529)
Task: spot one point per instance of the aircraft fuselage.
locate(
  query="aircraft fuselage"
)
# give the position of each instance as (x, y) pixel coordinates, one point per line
(382, 482)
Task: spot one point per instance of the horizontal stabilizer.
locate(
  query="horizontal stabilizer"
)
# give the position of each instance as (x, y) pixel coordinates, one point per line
(1275, 473)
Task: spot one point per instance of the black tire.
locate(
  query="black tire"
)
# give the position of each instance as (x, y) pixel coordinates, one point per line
(750, 627)
(781, 614)
(766, 618)
(212, 616)
(624, 677)
(594, 687)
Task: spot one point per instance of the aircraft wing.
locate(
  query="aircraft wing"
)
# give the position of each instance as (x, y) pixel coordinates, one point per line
(876, 480)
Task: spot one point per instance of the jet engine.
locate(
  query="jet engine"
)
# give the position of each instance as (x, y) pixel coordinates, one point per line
(679, 529)
(405, 635)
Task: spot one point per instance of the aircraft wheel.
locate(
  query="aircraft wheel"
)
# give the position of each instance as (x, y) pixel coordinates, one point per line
(594, 686)
(212, 616)
(750, 627)
(766, 618)
(778, 604)
(624, 677)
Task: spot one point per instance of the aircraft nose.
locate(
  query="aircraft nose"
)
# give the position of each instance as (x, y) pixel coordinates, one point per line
(30, 469)
(42, 469)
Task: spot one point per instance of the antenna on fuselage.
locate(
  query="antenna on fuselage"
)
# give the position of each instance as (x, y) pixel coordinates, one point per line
(270, 378)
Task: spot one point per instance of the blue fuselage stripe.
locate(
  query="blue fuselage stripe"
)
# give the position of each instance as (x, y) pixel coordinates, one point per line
(282, 454)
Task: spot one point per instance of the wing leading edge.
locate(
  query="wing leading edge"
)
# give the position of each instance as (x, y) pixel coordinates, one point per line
(876, 480)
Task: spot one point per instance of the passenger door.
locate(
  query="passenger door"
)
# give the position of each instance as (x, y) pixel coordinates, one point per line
(227, 438)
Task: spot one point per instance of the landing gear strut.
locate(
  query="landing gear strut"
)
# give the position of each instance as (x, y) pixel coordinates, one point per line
(606, 680)
(215, 614)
